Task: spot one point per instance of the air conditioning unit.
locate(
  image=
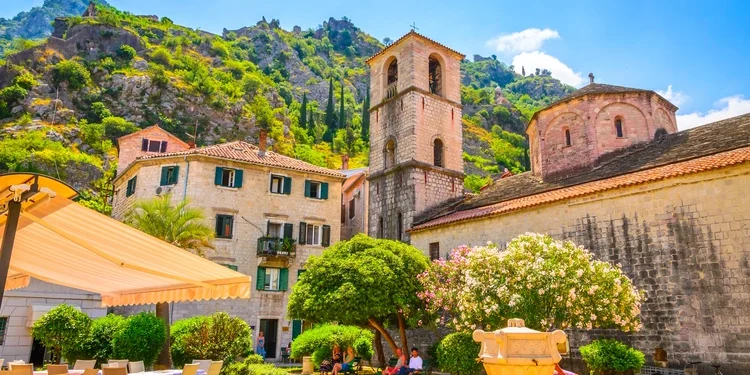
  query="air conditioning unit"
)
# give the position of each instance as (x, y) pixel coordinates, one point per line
(163, 190)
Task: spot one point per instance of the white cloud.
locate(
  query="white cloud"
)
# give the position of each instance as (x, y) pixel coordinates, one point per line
(676, 97)
(522, 41)
(730, 106)
(530, 61)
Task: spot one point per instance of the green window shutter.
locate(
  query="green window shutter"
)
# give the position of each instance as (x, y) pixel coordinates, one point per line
(135, 183)
(287, 185)
(296, 328)
(326, 240)
(231, 267)
(164, 173)
(284, 279)
(175, 173)
(238, 178)
(302, 233)
(288, 230)
(260, 281)
(217, 176)
(307, 188)
(324, 190)
(219, 225)
(268, 228)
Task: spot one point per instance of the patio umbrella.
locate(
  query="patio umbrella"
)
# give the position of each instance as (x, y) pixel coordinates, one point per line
(49, 237)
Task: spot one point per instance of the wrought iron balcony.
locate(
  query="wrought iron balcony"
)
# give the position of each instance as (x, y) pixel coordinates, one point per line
(277, 247)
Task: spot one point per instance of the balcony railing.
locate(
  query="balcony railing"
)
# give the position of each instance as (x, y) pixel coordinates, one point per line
(279, 247)
(391, 90)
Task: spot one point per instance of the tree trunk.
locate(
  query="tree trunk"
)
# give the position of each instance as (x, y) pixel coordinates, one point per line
(374, 323)
(378, 343)
(402, 333)
(165, 357)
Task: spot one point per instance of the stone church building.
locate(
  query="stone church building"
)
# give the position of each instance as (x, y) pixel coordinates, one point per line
(609, 171)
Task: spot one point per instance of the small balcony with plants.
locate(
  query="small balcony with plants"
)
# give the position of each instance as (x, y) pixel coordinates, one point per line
(277, 247)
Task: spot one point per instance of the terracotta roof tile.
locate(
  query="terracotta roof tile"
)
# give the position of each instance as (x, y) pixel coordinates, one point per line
(410, 33)
(702, 164)
(247, 153)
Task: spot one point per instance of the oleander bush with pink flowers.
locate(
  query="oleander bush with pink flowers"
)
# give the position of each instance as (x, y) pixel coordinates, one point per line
(551, 284)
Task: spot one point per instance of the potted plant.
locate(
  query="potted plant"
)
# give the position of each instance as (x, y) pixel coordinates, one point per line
(611, 357)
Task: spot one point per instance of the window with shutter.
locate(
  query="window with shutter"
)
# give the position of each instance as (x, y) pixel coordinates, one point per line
(288, 230)
(154, 146)
(230, 266)
(163, 146)
(326, 241)
(131, 186)
(228, 177)
(272, 279)
(224, 226)
(169, 175)
(277, 184)
(283, 279)
(307, 188)
(287, 185)
(144, 144)
(343, 213)
(302, 233)
(260, 280)
(434, 250)
(351, 209)
(324, 190)
(296, 328)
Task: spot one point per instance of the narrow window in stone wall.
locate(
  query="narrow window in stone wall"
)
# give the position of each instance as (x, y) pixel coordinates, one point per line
(567, 137)
(390, 153)
(400, 229)
(391, 86)
(381, 230)
(434, 250)
(438, 153)
(351, 209)
(436, 77)
(618, 127)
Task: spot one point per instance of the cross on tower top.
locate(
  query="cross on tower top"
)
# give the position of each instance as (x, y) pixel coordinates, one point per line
(414, 26)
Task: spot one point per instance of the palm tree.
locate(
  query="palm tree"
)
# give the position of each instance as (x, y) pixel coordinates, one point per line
(181, 226)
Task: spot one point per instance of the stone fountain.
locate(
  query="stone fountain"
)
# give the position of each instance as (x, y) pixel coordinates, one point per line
(517, 350)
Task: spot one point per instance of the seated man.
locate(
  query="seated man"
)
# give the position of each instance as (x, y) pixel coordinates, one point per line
(399, 364)
(415, 363)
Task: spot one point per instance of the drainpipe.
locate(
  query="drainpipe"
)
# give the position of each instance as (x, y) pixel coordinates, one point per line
(187, 175)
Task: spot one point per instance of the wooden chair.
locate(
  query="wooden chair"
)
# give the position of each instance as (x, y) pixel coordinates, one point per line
(120, 363)
(57, 369)
(136, 366)
(27, 369)
(114, 371)
(90, 371)
(215, 367)
(204, 364)
(13, 372)
(191, 369)
(83, 364)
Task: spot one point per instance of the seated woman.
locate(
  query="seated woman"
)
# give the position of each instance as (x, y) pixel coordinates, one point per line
(346, 364)
(327, 365)
(401, 363)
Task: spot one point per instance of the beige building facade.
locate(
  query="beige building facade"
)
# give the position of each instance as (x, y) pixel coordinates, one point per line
(270, 213)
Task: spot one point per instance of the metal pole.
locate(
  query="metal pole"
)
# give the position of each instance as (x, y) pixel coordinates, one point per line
(9, 236)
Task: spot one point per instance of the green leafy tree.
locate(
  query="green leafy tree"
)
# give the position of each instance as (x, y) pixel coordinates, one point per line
(99, 112)
(71, 72)
(179, 225)
(330, 117)
(261, 109)
(219, 338)
(303, 112)
(372, 282)
(365, 131)
(99, 343)
(141, 339)
(180, 330)
(61, 330)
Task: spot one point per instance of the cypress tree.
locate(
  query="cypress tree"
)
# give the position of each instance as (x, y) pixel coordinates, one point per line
(365, 135)
(303, 112)
(311, 127)
(342, 115)
(330, 121)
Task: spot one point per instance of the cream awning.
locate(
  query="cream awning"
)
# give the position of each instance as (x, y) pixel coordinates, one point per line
(61, 242)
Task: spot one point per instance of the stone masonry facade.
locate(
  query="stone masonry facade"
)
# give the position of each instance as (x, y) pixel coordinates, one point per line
(681, 240)
(407, 123)
(590, 120)
(253, 206)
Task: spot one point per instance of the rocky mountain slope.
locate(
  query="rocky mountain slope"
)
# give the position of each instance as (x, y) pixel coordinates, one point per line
(64, 102)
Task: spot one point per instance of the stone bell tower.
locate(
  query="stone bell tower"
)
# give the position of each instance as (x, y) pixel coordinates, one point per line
(415, 133)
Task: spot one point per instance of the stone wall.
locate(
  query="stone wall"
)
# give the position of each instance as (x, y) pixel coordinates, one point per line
(357, 224)
(252, 206)
(685, 241)
(591, 122)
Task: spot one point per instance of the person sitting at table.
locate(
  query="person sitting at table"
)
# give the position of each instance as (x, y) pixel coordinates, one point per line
(401, 363)
(347, 363)
(327, 365)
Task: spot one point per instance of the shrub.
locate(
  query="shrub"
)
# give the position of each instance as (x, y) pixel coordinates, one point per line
(611, 357)
(108, 64)
(218, 337)
(91, 133)
(179, 330)
(126, 52)
(141, 338)
(13, 94)
(457, 354)
(319, 342)
(25, 79)
(71, 72)
(98, 344)
(243, 368)
(162, 56)
(99, 111)
(254, 369)
(61, 330)
(116, 127)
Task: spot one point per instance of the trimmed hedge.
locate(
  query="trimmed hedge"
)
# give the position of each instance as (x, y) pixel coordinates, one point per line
(319, 342)
(611, 357)
(457, 353)
(141, 339)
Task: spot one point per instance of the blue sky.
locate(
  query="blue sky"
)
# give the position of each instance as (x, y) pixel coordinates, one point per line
(700, 49)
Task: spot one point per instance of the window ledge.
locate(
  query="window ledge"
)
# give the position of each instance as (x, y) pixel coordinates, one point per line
(316, 199)
(227, 188)
(224, 239)
(277, 194)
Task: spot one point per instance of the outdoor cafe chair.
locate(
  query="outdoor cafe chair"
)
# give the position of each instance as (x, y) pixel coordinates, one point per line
(120, 363)
(191, 369)
(114, 371)
(82, 364)
(13, 372)
(137, 366)
(27, 369)
(90, 371)
(215, 367)
(204, 364)
(1, 362)
(57, 369)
